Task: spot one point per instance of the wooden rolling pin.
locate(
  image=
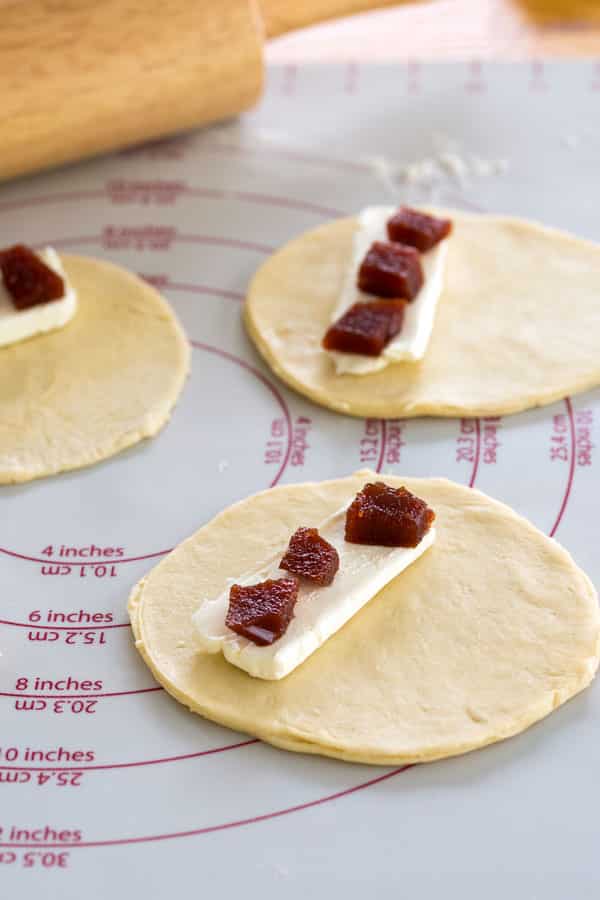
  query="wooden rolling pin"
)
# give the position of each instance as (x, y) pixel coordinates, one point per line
(78, 77)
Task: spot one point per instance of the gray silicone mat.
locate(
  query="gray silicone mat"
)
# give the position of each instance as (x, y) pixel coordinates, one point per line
(113, 789)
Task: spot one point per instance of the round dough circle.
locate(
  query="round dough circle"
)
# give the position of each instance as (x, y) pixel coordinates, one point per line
(105, 381)
(517, 325)
(489, 631)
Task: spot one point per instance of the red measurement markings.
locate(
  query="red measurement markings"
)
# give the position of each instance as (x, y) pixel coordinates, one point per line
(84, 570)
(44, 199)
(37, 837)
(300, 445)
(475, 83)
(162, 282)
(35, 841)
(68, 637)
(78, 617)
(560, 442)
(237, 823)
(286, 202)
(149, 690)
(561, 428)
(372, 445)
(236, 244)
(274, 392)
(122, 191)
(395, 441)
(275, 445)
(285, 413)
(159, 280)
(64, 551)
(584, 422)
(66, 684)
(54, 632)
(39, 702)
(60, 706)
(41, 779)
(153, 238)
(126, 237)
(54, 754)
(30, 859)
(129, 559)
(490, 443)
(14, 624)
(130, 765)
(104, 193)
(468, 446)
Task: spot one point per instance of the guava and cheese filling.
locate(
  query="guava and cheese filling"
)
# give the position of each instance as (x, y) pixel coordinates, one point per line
(319, 611)
(410, 344)
(19, 324)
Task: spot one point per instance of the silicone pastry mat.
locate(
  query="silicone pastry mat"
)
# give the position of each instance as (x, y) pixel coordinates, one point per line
(107, 786)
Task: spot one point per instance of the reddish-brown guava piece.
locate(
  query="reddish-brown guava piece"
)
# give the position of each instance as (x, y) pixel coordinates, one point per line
(28, 280)
(366, 328)
(391, 270)
(310, 556)
(388, 517)
(262, 612)
(417, 229)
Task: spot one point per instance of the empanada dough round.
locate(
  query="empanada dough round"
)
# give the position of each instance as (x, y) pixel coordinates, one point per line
(489, 631)
(517, 325)
(108, 379)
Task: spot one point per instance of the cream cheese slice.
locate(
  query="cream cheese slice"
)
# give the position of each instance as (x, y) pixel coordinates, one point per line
(319, 611)
(17, 325)
(411, 343)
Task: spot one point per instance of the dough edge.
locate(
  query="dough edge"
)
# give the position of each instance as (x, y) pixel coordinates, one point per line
(386, 409)
(291, 739)
(154, 420)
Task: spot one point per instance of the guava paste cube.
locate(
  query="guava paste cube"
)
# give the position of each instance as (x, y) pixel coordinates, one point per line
(388, 517)
(28, 280)
(366, 328)
(391, 270)
(417, 229)
(310, 556)
(262, 612)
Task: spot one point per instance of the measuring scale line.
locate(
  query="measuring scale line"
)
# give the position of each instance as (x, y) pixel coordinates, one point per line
(210, 240)
(89, 696)
(571, 475)
(323, 800)
(37, 626)
(133, 765)
(253, 820)
(204, 289)
(383, 448)
(287, 203)
(285, 412)
(552, 532)
(270, 387)
(477, 453)
(98, 561)
(107, 193)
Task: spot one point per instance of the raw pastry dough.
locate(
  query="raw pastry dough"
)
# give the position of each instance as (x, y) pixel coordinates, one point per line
(105, 381)
(517, 326)
(486, 633)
